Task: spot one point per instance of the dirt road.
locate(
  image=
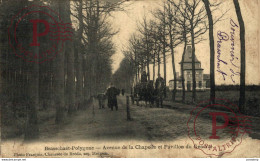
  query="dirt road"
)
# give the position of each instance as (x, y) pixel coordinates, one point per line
(148, 124)
(103, 128)
(98, 124)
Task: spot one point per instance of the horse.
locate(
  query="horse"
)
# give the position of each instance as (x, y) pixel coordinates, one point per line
(144, 92)
(138, 93)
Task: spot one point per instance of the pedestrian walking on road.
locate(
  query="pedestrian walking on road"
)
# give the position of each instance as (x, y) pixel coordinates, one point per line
(112, 93)
(101, 100)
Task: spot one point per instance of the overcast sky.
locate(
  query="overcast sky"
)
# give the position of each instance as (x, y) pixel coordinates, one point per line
(127, 22)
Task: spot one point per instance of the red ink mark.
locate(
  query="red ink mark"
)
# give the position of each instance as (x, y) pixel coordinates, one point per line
(49, 27)
(214, 123)
(217, 129)
(35, 32)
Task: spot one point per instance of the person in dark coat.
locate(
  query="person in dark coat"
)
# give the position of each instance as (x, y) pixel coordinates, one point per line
(143, 77)
(158, 81)
(112, 93)
(159, 90)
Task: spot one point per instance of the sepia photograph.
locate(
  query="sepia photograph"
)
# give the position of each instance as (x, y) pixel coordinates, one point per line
(129, 79)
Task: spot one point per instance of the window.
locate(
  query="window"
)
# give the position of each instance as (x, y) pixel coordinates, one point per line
(188, 85)
(200, 84)
(207, 84)
(188, 74)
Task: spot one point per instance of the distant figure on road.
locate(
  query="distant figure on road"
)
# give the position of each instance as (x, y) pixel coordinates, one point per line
(143, 77)
(112, 92)
(123, 92)
(101, 100)
(159, 90)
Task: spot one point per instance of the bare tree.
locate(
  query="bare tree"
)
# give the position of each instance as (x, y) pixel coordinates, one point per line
(182, 59)
(174, 32)
(158, 40)
(59, 80)
(145, 32)
(242, 98)
(212, 51)
(164, 49)
(31, 128)
(69, 52)
(162, 37)
(79, 56)
(195, 14)
(211, 44)
(183, 31)
(134, 54)
(156, 48)
(175, 36)
(95, 34)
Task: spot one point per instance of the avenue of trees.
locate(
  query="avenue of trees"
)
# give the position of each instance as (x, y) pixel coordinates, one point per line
(81, 70)
(175, 23)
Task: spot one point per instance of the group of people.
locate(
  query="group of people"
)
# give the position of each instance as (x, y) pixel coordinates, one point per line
(149, 91)
(112, 93)
(158, 81)
(111, 96)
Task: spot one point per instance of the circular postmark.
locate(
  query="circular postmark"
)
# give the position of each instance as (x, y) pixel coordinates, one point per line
(37, 33)
(217, 129)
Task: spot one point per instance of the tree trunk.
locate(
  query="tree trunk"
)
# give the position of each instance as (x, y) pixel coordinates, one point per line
(86, 80)
(59, 87)
(138, 73)
(147, 53)
(182, 60)
(50, 69)
(79, 76)
(164, 69)
(79, 57)
(154, 66)
(136, 76)
(173, 65)
(182, 69)
(59, 80)
(158, 60)
(212, 52)
(31, 128)
(148, 69)
(164, 53)
(69, 52)
(242, 98)
(159, 64)
(93, 46)
(193, 65)
(91, 34)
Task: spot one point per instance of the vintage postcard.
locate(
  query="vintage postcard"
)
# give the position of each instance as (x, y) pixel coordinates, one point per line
(129, 79)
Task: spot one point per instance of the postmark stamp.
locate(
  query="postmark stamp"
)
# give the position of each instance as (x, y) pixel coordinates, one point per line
(217, 129)
(32, 27)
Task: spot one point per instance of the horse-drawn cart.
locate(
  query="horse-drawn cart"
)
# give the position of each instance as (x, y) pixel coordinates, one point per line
(146, 92)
